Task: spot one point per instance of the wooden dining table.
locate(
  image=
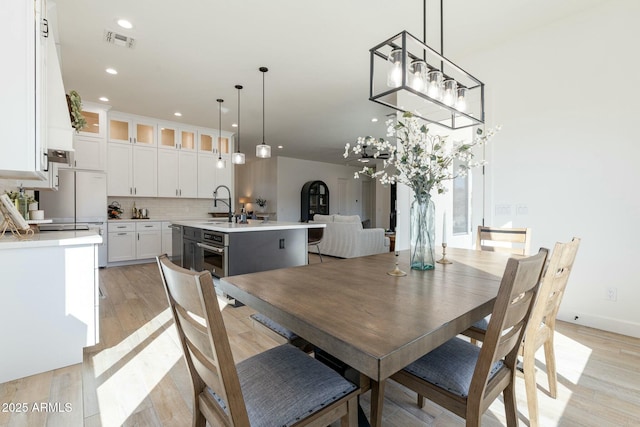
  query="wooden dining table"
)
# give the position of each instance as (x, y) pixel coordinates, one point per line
(373, 322)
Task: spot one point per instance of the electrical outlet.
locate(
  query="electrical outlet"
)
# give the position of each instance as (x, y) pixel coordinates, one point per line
(612, 293)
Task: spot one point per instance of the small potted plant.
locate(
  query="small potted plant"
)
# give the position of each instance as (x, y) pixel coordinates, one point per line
(262, 203)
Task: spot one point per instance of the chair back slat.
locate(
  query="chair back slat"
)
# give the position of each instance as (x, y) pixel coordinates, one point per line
(497, 239)
(204, 340)
(509, 317)
(553, 285)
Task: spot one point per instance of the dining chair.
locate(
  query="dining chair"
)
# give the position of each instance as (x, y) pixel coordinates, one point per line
(511, 240)
(282, 386)
(466, 379)
(542, 324)
(314, 238)
(279, 333)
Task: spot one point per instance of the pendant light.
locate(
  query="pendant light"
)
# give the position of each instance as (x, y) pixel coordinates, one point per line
(237, 158)
(263, 150)
(220, 163)
(409, 76)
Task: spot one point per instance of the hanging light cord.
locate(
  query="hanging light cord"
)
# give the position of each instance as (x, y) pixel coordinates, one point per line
(264, 70)
(220, 101)
(238, 87)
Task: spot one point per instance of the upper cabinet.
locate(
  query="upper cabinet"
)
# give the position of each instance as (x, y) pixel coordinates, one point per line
(132, 130)
(23, 102)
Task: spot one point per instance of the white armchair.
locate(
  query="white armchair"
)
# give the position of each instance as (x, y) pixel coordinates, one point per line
(344, 237)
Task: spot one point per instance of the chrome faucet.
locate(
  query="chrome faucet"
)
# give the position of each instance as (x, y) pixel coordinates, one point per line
(226, 202)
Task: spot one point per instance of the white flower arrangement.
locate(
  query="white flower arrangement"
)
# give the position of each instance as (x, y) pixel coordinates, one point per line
(421, 160)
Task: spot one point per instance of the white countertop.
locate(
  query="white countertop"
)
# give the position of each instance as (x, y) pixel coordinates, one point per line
(50, 239)
(253, 225)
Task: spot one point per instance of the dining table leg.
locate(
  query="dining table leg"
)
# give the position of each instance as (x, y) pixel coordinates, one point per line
(377, 399)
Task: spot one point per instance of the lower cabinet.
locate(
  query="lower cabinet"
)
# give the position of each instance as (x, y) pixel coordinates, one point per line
(149, 240)
(122, 241)
(134, 240)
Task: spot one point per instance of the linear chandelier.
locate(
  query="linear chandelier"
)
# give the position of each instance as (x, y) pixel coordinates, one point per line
(409, 76)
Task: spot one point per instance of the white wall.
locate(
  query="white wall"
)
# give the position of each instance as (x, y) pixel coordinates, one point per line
(567, 97)
(294, 173)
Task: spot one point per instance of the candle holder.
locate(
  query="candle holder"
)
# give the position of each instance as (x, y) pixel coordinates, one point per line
(396, 271)
(444, 259)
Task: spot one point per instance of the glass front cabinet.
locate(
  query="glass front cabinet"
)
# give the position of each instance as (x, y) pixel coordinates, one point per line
(314, 199)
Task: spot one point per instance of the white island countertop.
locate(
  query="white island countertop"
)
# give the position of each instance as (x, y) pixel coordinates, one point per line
(51, 238)
(253, 225)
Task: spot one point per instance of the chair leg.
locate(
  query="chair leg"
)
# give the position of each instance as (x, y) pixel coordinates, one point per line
(550, 361)
(529, 361)
(319, 254)
(350, 419)
(509, 395)
(420, 401)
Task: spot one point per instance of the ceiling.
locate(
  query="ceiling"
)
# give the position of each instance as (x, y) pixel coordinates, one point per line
(188, 53)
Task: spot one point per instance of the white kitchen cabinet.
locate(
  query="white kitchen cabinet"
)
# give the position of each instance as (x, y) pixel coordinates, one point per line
(51, 181)
(149, 239)
(134, 240)
(132, 170)
(130, 129)
(122, 241)
(23, 102)
(177, 173)
(90, 143)
(167, 238)
(206, 175)
(90, 153)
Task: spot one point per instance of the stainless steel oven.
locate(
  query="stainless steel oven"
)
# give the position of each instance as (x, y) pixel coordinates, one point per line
(214, 252)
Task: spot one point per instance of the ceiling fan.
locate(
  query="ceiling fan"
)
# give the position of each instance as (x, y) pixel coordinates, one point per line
(366, 157)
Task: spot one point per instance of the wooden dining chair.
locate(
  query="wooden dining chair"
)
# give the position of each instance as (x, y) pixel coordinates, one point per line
(279, 387)
(512, 240)
(466, 379)
(542, 325)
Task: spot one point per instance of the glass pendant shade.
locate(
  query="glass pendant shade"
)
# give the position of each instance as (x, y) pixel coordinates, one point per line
(434, 84)
(418, 75)
(450, 92)
(220, 164)
(263, 151)
(394, 76)
(461, 102)
(237, 158)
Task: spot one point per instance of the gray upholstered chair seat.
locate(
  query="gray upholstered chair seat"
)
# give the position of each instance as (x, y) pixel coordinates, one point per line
(284, 385)
(482, 324)
(450, 366)
(274, 326)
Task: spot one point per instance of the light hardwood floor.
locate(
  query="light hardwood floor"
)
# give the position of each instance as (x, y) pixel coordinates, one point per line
(136, 375)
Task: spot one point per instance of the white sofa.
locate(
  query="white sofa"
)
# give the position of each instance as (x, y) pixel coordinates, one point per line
(344, 237)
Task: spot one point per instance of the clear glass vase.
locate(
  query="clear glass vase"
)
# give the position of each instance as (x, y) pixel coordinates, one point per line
(422, 231)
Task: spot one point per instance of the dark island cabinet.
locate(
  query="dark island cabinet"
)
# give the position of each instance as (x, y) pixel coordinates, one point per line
(314, 199)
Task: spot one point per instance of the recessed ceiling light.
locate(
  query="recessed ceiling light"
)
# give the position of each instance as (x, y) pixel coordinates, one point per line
(104, 99)
(375, 119)
(125, 24)
(111, 71)
(177, 114)
(234, 125)
(280, 147)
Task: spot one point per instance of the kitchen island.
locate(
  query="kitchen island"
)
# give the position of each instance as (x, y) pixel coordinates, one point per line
(229, 248)
(48, 301)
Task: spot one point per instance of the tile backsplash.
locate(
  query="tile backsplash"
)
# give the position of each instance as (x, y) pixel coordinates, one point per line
(168, 208)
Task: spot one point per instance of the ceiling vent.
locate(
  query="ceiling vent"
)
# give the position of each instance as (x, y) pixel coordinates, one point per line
(119, 39)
